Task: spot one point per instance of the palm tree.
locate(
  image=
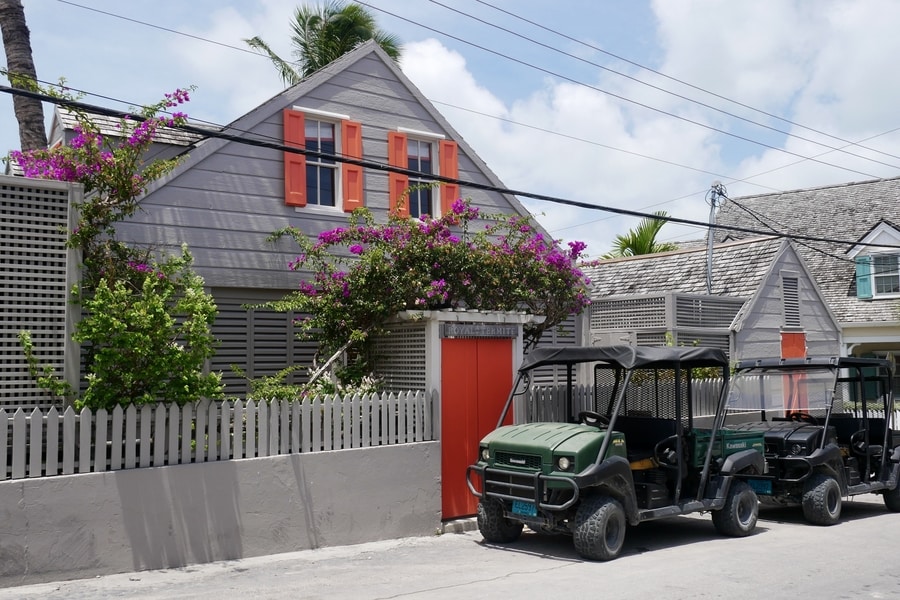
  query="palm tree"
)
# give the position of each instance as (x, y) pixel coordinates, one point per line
(21, 74)
(323, 34)
(642, 239)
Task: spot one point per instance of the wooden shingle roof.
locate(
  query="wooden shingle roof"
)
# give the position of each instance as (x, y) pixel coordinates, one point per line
(110, 126)
(738, 269)
(844, 212)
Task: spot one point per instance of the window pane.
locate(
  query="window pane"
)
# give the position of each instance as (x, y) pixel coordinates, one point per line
(326, 141)
(320, 138)
(887, 275)
(885, 263)
(320, 171)
(420, 202)
(326, 186)
(312, 184)
(418, 156)
(319, 185)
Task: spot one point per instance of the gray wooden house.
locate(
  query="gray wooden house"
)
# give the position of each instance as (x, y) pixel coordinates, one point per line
(763, 299)
(860, 280)
(226, 197)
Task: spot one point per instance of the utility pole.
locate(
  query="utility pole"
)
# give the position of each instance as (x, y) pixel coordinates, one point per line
(716, 194)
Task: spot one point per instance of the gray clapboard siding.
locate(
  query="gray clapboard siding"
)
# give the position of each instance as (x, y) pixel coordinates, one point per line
(759, 333)
(228, 197)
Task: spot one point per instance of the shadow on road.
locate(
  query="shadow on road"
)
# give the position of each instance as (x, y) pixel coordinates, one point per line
(646, 537)
(851, 510)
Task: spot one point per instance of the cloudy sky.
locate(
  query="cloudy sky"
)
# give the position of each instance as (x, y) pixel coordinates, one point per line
(616, 103)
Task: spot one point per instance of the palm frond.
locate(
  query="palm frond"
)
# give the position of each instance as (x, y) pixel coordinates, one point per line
(288, 73)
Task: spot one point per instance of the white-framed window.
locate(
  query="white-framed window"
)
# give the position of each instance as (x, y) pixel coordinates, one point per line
(427, 153)
(420, 156)
(877, 262)
(878, 275)
(886, 274)
(322, 179)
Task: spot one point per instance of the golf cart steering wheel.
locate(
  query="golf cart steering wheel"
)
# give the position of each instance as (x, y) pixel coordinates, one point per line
(804, 417)
(589, 417)
(665, 452)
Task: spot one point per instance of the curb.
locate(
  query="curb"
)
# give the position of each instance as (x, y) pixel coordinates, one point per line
(459, 525)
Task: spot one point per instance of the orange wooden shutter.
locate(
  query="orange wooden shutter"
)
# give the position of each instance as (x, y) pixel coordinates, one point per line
(449, 168)
(351, 134)
(294, 164)
(398, 203)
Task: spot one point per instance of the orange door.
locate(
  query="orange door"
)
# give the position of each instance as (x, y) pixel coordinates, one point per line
(476, 377)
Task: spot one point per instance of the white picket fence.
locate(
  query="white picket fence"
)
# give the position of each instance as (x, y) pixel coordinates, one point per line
(42, 444)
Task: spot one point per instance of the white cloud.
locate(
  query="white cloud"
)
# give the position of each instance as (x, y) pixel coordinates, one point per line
(568, 147)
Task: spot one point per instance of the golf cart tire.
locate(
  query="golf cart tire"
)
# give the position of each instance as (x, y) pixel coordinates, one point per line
(822, 499)
(738, 517)
(494, 527)
(599, 528)
(892, 498)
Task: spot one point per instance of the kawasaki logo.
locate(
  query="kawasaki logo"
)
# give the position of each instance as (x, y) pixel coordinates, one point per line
(517, 461)
(735, 445)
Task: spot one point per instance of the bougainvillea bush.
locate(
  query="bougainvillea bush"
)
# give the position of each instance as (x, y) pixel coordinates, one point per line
(365, 273)
(114, 173)
(146, 323)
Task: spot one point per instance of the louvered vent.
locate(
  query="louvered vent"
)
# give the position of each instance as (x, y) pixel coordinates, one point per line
(705, 311)
(400, 357)
(651, 338)
(720, 341)
(260, 342)
(791, 296)
(565, 334)
(34, 220)
(628, 313)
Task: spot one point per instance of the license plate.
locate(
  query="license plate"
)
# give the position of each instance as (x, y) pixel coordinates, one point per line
(527, 509)
(761, 486)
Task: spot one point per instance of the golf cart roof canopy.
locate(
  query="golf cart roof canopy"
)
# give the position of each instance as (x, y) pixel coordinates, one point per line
(626, 357)
(817, 362)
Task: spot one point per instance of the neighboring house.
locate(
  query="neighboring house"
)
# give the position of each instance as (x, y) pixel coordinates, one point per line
(860, 281)
(168, 143)
(764, 301)
(226, 197)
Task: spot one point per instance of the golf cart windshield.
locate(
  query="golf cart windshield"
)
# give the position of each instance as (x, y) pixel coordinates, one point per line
(782, 390)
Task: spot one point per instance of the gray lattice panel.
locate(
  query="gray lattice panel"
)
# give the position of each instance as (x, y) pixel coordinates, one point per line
(34, 219)
(400, 358)
(628, 313)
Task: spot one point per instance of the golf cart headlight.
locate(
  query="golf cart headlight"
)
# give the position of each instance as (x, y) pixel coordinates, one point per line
(796, 449)
(485, 453)
(564, 463)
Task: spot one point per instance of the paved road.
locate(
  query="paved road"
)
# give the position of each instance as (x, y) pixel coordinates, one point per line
(676, 558)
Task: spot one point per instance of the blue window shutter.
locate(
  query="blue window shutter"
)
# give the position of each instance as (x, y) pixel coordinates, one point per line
(863, 276)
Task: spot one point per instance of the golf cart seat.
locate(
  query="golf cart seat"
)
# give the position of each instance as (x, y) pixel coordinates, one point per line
(642, 434)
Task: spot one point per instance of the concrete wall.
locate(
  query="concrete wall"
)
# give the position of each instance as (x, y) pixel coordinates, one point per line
(77, 526)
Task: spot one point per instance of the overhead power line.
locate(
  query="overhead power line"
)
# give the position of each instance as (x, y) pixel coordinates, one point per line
(687, 84)
(659, 88)
(619, 96)
(377, 166)
(547, 71)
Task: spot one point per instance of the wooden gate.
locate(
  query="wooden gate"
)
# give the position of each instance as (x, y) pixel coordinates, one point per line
(476, 378)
